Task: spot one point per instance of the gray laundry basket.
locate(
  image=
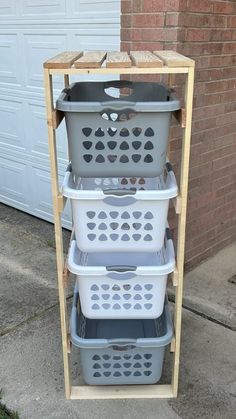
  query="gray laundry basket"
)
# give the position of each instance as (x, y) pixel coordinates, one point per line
(122, 136)
(120, 351)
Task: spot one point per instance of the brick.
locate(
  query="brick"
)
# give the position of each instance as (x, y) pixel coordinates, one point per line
(229, 48)
(137, 6)
(192, 49)
(223, 161)
(226, 140)
(220, 86)
(221, 35)
(172, 19)
(125, 34)
(226, 119)
(231, 22)
(147, 46)
(148, 20)
(125, 46)
(212, 99)
(228, 72)
(224, 7)
(207, 112)
(126, 21)
(155, 34)
(126, 6)
(204, 124)
(198, 34)
(200, 6)
(160, 5)
(230, 107)
(202, 20)
(222, 60)
(208, 75)
(225, 189)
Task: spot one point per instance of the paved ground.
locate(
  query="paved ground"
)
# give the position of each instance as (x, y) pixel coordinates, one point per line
(31, 362)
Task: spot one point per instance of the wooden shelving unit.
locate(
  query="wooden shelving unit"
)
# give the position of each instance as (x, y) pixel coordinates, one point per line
(101, 62)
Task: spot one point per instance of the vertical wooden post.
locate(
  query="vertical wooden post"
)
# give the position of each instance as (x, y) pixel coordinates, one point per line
(58, 226)
(182, 223)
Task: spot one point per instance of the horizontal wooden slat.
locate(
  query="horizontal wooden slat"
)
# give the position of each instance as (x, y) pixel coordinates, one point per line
(121, 70)
(122, 392)
(145, 59)
(63, 60)
(174, 59)
(118, 59)
(91, 59)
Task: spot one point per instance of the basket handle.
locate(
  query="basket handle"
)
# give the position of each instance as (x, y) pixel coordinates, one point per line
(122, 348)
(121, 268)
(119, 192)
(117, 84)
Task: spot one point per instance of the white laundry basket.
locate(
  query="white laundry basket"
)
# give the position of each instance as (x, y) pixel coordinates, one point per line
(121, 285)
(120, 214)
(114, 352)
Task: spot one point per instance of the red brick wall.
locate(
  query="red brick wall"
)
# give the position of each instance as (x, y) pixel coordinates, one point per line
(204, 30)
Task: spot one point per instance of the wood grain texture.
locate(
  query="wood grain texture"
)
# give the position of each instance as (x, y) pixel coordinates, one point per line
(63, 60)
(122, 392)
(145, 59)
(174, 59)
(48, 82)
(189, 83)
(118, 59)
(91, 59)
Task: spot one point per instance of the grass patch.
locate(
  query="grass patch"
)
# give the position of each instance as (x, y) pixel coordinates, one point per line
(6, 413)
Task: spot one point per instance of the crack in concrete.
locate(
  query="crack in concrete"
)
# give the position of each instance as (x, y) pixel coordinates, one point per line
(31, 318)
(203, 315)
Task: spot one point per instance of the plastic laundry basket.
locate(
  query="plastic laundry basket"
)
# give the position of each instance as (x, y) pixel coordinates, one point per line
(120, 214)
(120, 351)
(121, 285)
(122, 136)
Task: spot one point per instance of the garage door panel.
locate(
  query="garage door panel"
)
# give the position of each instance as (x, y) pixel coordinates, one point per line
(96, 8)
(8, 8)
(11, 126)
(9, 53)
(38, 47)
(37, 132)
(89, 41)
(42, 203)
(43, 8)
(14, 185)
(30, 32)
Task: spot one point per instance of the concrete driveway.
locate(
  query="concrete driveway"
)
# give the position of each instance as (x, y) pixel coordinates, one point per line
(31, 370)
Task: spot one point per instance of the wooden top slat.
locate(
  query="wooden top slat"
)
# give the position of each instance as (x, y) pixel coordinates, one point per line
(174, 59)
(145, 59)
(91, 59)
(118, 59)
(135, 60)
(63, 60)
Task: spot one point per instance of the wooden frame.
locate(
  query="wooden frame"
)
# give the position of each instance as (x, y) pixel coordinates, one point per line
(63, 65)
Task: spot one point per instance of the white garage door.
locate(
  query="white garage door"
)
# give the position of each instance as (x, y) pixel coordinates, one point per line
(30, 32)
